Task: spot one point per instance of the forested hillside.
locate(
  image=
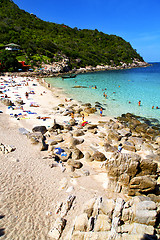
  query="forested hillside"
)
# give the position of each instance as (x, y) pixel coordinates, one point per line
(46, 41)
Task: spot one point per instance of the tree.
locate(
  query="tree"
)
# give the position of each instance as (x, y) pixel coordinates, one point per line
(8, 61)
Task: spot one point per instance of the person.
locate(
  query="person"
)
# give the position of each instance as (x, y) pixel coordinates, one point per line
(101, 111)
(139, 103)
(152, 107)
(72, 115)
(120, 147)
(82, 116)
(27, 95)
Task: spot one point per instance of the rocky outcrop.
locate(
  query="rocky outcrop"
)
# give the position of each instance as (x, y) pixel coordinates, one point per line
(134, 175)
(108, 219)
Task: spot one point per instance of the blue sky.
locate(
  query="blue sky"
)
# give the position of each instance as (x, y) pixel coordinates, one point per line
(137, 21)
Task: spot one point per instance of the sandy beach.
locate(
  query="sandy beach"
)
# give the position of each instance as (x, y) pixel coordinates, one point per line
(30, 187)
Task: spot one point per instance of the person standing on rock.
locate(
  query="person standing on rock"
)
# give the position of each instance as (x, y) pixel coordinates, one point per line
(101, 111)
(120, 147)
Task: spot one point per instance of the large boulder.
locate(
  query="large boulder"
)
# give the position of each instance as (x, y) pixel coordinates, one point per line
(148, 167)
(142, 184)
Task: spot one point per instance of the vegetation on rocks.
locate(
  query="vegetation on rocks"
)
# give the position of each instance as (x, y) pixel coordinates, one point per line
(48, 42)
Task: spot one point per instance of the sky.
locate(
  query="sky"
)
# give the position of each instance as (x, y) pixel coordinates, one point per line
(136, 21)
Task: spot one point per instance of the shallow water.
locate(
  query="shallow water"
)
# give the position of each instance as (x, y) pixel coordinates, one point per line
(122, 87)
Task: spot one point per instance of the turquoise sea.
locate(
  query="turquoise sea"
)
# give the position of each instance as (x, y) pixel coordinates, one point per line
(124, 88)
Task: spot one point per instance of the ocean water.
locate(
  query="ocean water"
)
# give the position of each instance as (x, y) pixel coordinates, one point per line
(124, 89)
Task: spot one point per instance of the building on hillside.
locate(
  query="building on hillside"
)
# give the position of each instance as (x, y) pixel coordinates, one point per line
(24, 67)
(12, 47)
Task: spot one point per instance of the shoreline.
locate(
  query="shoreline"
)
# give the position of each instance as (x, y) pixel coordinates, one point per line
(32, 181)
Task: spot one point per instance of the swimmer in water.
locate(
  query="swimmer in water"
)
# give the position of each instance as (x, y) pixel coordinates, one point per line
(139, 103)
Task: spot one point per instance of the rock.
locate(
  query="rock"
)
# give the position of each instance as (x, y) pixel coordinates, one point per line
(90, 126)
(98, 156)
(7, 102)
(113, 136)
(102, 223)
(58, 138)
(68, 154)
(129, 146)
(136, 229)
(145, 217)
(148, 167)
(125, 132)
(88, 207)
(55, 127)
(87, 157)
(78, 133)
(143, 184)
(44, 146)
(142, 128)
(89, 110)
(81, 223)
(76, 153)
(6, 148)
(85, 172)
(23, 131)
(73, 141)
(77, 235)
(72, 122)
(41, 129)
(75, 164)
(158, 140)
(109, 148)
(107, 207)
(56, 231)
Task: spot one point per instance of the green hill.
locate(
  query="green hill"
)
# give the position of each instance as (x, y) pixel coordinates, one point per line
(50, 42)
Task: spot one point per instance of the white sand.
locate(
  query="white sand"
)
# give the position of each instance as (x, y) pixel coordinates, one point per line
(30, 189)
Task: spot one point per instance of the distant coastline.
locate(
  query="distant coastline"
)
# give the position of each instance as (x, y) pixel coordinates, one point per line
(49, 71)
